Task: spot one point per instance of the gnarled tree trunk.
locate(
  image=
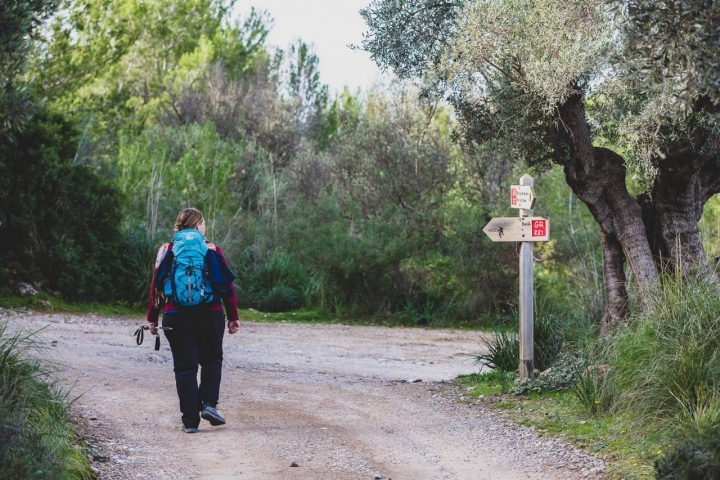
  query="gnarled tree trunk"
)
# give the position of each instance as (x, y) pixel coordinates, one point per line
(686, 178)
(650, 232)
(616, 301)
(597, 177)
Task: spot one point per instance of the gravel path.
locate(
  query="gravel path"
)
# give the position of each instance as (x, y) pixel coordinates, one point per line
(339, 402)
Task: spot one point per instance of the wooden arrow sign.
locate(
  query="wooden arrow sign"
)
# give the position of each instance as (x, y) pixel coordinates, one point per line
(514, 229)
(522, 196)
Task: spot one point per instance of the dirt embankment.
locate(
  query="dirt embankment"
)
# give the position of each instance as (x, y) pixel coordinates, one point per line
(339, 402)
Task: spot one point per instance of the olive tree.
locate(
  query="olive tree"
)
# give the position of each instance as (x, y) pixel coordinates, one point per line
(552, 77)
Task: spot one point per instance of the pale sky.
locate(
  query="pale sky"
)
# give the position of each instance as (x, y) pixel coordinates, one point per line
(330, 25)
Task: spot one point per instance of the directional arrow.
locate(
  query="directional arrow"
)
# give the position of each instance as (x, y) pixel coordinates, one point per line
(514, 229)
(522, 196)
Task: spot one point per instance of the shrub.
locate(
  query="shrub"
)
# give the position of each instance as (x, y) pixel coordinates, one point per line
(272, 282)
(59, 222)
(690, 461)
(594, 387)
(667, 362)
(561, 376)
(503, 351)
(138, 261)
(35, 438)
(548, 339)
(552, 332)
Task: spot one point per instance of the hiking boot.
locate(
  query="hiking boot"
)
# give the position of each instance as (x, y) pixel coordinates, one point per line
(211, 415)
(189, 429)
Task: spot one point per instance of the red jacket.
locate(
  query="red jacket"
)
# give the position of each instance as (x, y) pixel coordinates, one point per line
(156, 300)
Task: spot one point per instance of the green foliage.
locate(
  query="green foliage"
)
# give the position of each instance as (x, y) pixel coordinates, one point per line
(667, 364)
(503, 351)
(35, 438)
(275, 282)
(489, 383)
(59, 222)
(138, 262)
(18, 24)
(569, 276)
(303, 79)
(678, 32)
(690, 461)
(162, 171)
(357, 260)
(662, 373)
(558, 414)
(594, 387)
(554, 333)
(426, 26)
(560, 377)
(549, 338)
(124, 62)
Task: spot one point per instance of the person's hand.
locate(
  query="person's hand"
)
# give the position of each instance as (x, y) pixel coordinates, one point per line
(233, 326)
(152, 326)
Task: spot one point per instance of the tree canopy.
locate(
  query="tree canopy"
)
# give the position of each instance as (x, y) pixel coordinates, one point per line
(19, 21)
(528, 72)
(126, 62)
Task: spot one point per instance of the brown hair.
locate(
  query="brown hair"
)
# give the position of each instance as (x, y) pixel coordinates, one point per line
(188, 218)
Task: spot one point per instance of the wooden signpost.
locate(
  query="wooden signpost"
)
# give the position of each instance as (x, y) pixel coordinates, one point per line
(514, 229)
(525, 229)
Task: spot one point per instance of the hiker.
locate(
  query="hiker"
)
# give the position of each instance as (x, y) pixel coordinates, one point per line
(194, 315)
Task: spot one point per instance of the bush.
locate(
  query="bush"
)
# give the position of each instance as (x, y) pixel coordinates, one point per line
(59, 222)
(552, 333)
(35, 438)
(139, 261)
(561, 376)
(274, 282)
(691, 461)
(667, 362)
(594, 387)
(503, 352)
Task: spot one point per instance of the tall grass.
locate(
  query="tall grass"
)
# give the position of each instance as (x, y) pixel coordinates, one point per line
(502, 352)
(553, 333)
(667, 363)
(36, 441)
(666, 367)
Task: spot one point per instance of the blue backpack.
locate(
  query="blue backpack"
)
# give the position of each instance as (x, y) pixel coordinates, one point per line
(188, 281)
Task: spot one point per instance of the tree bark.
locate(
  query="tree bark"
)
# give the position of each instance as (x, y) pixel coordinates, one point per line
(678, 210)
(686, 178)
(616, 302)
(597, 176)
(688, 174)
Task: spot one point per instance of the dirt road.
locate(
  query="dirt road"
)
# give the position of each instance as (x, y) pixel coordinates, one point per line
(340, 402)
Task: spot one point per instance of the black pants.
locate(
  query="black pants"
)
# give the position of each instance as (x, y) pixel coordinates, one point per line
(196, 339)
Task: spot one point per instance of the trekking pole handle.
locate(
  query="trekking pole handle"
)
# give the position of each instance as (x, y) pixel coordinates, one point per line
(139, 335)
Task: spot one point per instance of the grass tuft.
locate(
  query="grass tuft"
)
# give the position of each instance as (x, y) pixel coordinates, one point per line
(36, 441)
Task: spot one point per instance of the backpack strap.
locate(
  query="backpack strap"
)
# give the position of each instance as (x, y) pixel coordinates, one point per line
(158, 297)
(161, 254)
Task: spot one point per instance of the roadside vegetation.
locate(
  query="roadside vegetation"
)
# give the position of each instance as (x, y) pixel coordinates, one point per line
(36, 441)
(645, 399)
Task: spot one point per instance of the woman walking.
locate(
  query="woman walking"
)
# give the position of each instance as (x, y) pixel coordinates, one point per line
(197, 322)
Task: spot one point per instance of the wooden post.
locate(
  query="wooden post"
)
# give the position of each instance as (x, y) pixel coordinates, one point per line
(526, 297)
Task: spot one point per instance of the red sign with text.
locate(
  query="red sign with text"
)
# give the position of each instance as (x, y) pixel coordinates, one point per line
(539, 228)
